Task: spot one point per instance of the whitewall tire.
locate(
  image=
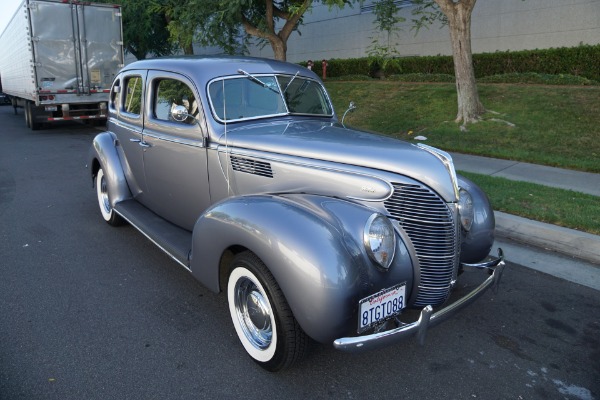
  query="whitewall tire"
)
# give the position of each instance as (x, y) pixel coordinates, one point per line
(106, 209)
(261, 316)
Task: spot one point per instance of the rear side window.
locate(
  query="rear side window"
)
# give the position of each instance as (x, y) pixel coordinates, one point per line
(133, 95)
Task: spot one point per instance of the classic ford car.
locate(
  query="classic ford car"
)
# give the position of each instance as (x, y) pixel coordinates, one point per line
(239, 169)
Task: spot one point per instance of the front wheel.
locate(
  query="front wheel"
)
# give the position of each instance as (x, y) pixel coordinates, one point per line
(261, 316)
(108, 213)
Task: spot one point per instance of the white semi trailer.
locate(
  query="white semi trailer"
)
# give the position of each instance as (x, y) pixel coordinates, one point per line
(58, 59)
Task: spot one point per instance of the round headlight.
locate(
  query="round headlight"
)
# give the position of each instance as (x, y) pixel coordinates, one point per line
(380, 240)
(465, 209)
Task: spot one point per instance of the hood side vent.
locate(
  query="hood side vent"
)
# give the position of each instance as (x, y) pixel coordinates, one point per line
(253, 167)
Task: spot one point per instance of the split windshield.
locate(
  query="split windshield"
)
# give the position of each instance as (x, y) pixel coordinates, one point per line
(256, 96)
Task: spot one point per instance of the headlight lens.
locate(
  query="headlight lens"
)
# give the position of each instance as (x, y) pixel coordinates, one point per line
(380, 240)
(465, 209)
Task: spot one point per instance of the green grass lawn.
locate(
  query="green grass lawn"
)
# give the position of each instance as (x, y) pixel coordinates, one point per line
(541, 203)
(553, 125)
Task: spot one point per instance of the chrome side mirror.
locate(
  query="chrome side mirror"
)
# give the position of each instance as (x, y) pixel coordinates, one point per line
(351, 107)
(180, 113)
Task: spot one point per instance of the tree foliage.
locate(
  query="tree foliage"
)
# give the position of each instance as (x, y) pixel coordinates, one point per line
(229, 24)
(144, 32)
(386, 21)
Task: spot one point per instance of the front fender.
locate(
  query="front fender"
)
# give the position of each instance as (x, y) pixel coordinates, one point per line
(311, 246)
(103, 154)
(477, 243)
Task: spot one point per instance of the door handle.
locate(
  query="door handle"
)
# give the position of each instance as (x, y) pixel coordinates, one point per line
(144, 144)
(135, 140)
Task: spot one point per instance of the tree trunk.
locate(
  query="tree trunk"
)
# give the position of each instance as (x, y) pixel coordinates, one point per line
(188, 49)
(470, 108)
(279, 40)
(279, 48)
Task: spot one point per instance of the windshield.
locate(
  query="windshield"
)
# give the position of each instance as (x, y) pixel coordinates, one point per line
(258, 96)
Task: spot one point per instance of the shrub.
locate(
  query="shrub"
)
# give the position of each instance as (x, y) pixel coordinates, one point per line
(355, 77)
(422, 78)
(535, 78)
(582, 61)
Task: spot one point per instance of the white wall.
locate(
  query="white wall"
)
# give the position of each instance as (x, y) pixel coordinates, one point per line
(496, 25)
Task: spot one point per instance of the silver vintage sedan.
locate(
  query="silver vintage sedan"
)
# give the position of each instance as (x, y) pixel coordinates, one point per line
(240, 170)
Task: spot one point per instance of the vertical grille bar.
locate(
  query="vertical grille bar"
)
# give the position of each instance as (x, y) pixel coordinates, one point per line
(430, 224)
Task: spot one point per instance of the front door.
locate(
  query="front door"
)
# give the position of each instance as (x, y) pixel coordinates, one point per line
(175, 161)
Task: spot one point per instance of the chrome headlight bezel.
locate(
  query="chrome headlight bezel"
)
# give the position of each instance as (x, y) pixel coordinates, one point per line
(379, 238)
(466, 210)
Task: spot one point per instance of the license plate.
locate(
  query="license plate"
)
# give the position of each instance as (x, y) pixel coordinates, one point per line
(381, 306)
(51, 108)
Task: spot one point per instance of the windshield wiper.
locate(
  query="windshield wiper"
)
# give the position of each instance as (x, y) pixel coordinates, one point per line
(256, 80)
(290, 82)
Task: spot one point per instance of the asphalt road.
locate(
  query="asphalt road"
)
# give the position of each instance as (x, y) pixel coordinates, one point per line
(88, 311)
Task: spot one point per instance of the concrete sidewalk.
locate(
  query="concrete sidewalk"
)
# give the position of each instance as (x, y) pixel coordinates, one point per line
(569, 242)
(584, 182)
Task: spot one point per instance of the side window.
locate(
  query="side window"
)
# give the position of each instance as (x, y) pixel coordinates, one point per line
(133, 94)
(170, 93)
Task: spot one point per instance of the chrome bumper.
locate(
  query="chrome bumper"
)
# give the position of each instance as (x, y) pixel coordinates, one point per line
(427, 318)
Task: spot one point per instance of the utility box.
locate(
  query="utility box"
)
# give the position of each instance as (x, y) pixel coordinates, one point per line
(58, 59)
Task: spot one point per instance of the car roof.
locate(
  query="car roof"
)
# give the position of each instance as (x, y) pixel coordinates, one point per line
(206, 68)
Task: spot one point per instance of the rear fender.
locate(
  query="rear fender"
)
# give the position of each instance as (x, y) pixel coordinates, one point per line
(103, 154)
(309, 243)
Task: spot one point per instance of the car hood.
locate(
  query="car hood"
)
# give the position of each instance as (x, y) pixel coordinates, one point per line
(332, 142)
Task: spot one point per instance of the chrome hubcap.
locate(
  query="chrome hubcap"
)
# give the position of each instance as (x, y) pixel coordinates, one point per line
(254, 313)
(103, 195)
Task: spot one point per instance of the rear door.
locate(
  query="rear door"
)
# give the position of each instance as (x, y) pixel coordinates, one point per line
(127, 122)
(78, 48)
(52, 37)
(100, 45)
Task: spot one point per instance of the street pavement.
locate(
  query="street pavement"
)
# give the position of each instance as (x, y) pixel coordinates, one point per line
(521, 234)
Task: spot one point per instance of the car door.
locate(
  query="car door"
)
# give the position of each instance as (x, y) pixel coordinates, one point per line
(175, 161)
(127, 102)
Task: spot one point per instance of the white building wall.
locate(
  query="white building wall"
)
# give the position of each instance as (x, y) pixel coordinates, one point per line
(497, 25)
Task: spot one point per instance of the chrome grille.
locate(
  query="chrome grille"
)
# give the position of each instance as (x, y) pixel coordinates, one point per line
(430, 225)
(249, 166)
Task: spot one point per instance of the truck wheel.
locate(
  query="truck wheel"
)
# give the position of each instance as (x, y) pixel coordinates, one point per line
(30, 117)
(108, 213)
(261, 316)
(27, 115)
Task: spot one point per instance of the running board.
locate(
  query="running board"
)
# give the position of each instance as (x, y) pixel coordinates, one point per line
(171, 239)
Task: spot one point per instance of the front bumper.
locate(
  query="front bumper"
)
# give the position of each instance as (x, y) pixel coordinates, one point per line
(427, 318)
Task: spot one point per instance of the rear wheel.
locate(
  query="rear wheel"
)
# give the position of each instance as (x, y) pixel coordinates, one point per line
(27, 115)
(261, 316)
(108, 213)
(30, 117)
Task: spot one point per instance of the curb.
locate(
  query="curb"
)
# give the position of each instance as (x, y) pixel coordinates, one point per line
(570, 242)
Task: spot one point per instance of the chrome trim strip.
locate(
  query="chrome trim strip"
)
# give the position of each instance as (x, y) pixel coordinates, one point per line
(185, 142)
(427, 318)
(446, 159)
(260, 156)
